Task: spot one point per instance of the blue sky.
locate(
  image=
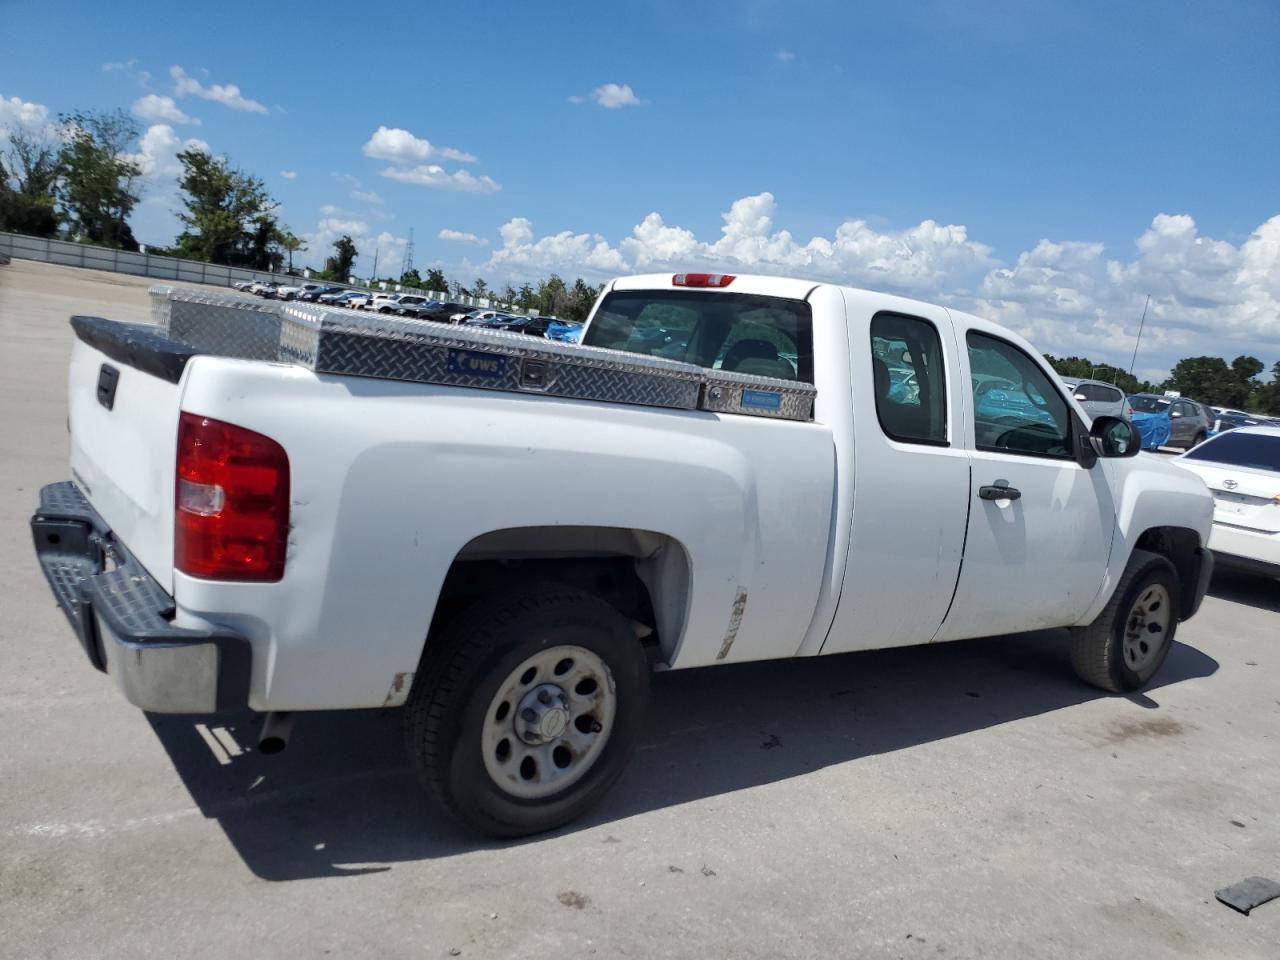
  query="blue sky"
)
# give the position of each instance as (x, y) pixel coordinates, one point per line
(928, 148)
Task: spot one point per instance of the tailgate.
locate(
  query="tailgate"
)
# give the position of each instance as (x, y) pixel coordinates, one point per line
(124, 391)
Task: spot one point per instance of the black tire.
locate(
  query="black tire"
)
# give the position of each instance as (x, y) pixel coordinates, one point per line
(1098, 650)
(1198, 439)
(462, 670)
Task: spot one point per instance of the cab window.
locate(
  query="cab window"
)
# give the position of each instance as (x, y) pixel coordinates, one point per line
(1016, 407)
(734, 332)
(910, 387)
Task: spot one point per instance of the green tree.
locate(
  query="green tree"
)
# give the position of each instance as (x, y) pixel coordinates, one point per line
(1084, 369)
(98, 183)
(1209, 380)
(509, 295)
(481, 289)
(229, 216)
(338, 267)
(291, 244)
(524, 297)
(552, 296)
(411, 278)
(436, 280)
(580, 299)
(29, 171)
(1265, 397)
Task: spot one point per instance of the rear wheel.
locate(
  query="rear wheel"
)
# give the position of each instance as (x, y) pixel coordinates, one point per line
(526, 709)
(1124, 647)
(1198, 439)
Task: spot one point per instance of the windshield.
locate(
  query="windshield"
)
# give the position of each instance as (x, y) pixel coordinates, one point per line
(1149, 404)
(1258, 451)
(740, 332)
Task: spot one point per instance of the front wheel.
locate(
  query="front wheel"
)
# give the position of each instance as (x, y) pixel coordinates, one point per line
(1124, 647)
(526, 710)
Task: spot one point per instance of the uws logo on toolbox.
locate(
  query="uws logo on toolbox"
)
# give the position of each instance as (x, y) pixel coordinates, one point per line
(472, 363)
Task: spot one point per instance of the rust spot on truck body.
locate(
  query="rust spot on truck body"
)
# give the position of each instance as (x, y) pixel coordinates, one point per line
(399, 691)
(735, 621)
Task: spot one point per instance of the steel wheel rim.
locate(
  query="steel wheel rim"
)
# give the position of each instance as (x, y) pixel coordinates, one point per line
(549, 722)
(1146, 629)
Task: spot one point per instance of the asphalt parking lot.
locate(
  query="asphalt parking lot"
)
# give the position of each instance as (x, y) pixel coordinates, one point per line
(961, 801)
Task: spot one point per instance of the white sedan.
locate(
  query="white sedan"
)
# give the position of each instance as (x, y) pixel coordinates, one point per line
(1241, 467)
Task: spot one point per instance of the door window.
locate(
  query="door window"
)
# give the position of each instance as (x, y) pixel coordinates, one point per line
(910, 388)
(1016, 407)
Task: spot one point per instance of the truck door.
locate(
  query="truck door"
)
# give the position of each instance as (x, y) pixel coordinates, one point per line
(910, 485)
(1040, 523)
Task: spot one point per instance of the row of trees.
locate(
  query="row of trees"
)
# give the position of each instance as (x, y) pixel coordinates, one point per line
(1210, 380)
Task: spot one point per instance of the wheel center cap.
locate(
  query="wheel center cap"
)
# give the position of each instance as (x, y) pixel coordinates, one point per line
(543, 714)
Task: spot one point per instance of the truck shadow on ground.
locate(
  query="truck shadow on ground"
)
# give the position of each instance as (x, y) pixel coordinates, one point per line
(341, 800)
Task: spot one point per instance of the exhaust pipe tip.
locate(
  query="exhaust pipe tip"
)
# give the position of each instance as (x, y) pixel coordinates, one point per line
(275, 733)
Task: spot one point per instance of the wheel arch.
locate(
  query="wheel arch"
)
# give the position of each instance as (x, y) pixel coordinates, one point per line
(644, 574)
(1181, 546)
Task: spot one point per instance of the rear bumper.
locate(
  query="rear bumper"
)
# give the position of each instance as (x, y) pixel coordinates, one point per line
(122, 617)
(1243, 549)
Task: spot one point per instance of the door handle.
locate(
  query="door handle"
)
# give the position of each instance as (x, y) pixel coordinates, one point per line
(999, 491)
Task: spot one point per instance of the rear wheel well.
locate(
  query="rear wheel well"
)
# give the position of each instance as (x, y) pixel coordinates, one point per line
(1181, 546)
(641, 574)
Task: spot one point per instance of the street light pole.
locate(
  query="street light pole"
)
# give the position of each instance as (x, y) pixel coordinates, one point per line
(1138, 342)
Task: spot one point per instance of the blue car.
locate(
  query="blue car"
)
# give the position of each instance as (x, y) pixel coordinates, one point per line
(564, 331)
(1002, 401)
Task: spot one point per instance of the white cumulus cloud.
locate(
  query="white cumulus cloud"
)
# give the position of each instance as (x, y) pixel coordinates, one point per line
(1208, 296)
(784, 56)
(388, 248)
(158, 151)
(613, 96)
(367, 196)
(16, 112)
(401, 146)
(434, 175)
(226, 94)
(412, 157)
(457, 236)
(158, 109)
(289, 174)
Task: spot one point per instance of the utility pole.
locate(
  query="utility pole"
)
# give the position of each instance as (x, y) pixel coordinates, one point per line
(407, 265)
(1138, 342)
(376, 251)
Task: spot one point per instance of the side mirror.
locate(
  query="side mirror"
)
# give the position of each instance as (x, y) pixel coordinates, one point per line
(1114, 437)
(1081, 396)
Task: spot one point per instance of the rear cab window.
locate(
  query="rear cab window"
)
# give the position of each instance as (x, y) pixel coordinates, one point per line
(910, 386)
(735, 332)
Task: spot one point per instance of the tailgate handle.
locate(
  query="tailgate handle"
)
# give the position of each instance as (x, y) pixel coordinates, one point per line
(108, 377)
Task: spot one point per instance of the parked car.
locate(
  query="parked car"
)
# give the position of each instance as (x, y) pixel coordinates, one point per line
(1002, 401)
(564, 330)
(1241, 468)
(296, 291)
(314, 295)
(440, 312)
(1230, 421)
(242, 285)
(216, 551)
(263, 288)
(333, 299)
(1100, 399)
(532, 326)
(1169, 421)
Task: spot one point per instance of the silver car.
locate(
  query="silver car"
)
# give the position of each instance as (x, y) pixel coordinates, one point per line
(1100, 399)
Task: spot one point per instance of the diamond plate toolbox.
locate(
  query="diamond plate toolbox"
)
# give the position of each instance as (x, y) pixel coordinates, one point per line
(354, 343)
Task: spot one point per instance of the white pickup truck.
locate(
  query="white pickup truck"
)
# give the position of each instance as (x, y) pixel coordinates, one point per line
(467, 525)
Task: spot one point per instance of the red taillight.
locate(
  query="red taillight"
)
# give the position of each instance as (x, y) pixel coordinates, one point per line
(232, 502)
(702, 279)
